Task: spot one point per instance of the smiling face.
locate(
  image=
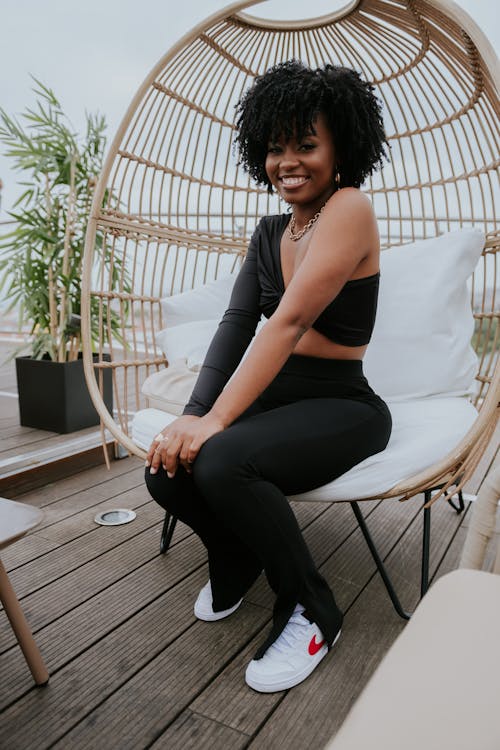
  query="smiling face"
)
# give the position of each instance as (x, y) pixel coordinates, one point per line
(303, 171)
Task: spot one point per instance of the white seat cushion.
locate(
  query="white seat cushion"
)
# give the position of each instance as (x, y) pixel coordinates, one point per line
(169, 389)
(424, 431)
(147, 423)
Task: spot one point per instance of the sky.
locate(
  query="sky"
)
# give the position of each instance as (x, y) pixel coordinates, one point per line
(95, 54)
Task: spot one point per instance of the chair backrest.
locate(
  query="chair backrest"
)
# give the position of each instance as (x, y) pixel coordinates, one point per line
(175, 210)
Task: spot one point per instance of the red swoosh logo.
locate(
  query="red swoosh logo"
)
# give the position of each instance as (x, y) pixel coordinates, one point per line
(315, 647)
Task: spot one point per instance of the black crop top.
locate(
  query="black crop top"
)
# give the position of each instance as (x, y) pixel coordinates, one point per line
(259, 286)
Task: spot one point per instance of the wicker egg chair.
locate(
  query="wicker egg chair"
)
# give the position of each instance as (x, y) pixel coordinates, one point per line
(174, 208)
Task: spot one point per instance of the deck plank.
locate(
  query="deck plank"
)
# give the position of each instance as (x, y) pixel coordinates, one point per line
(186, 732)
(26, 550)
(66, 520)
(79, 482)
(46, 439)
(10, 427)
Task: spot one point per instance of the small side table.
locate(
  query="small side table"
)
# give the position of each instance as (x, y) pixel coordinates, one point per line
(15, 520)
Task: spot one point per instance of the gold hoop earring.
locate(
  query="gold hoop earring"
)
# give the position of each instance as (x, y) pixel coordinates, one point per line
(337, 178)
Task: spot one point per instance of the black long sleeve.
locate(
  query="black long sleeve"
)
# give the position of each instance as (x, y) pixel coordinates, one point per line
(233, 335)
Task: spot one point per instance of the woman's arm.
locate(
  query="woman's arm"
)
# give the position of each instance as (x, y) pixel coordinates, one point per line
(234, 333)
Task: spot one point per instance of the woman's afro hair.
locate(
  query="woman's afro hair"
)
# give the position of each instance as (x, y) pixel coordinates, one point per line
(286, 101)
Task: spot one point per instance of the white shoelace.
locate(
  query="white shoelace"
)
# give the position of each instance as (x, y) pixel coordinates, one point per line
(294, 630)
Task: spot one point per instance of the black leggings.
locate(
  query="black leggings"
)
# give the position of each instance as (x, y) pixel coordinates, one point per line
(317, 419)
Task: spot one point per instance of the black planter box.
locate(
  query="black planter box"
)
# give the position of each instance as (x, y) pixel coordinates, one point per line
(54, 395)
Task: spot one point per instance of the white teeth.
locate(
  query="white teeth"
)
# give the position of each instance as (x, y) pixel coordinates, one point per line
(293, 180)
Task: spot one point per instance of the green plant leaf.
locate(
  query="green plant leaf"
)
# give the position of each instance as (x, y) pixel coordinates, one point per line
(58, 168)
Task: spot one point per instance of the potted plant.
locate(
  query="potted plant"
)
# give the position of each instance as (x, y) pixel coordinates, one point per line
(41, 258)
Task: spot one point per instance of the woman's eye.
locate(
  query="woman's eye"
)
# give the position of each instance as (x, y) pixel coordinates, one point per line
(273, 149)
(306, 146)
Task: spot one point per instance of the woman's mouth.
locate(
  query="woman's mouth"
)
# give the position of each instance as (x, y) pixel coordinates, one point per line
(293, 182)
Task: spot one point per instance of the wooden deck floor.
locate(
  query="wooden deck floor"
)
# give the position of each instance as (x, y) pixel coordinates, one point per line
(130, 665)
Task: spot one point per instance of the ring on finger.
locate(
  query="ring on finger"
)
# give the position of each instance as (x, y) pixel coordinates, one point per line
(160, 437)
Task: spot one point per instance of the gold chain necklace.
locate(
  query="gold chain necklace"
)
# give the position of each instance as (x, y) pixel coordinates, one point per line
(297, 235)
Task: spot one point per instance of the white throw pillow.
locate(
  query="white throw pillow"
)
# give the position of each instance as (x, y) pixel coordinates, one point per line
(421, 342)
(206, 302)
(188, 341)
(170, 389)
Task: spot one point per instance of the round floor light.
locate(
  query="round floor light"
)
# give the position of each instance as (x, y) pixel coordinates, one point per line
(115, 517)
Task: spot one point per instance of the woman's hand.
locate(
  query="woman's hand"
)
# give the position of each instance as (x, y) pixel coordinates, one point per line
(180, 443)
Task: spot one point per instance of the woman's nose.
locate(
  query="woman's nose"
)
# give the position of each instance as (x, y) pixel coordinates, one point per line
(289, 158)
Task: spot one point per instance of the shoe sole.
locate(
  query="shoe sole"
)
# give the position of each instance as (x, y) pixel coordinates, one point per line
(292, 682)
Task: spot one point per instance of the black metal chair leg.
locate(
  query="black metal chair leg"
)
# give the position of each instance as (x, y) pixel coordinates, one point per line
(378, 561)
(167, 532)
(460, 507)
(461, 504)
(426, 541)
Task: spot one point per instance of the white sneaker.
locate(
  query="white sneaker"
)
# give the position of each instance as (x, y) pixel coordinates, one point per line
(203, 608)
(291, 658)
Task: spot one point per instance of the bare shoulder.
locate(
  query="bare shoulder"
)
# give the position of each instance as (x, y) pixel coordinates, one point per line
(350, 203)
(349, 218)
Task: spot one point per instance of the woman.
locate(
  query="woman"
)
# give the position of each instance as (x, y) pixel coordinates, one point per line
(298, 412)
